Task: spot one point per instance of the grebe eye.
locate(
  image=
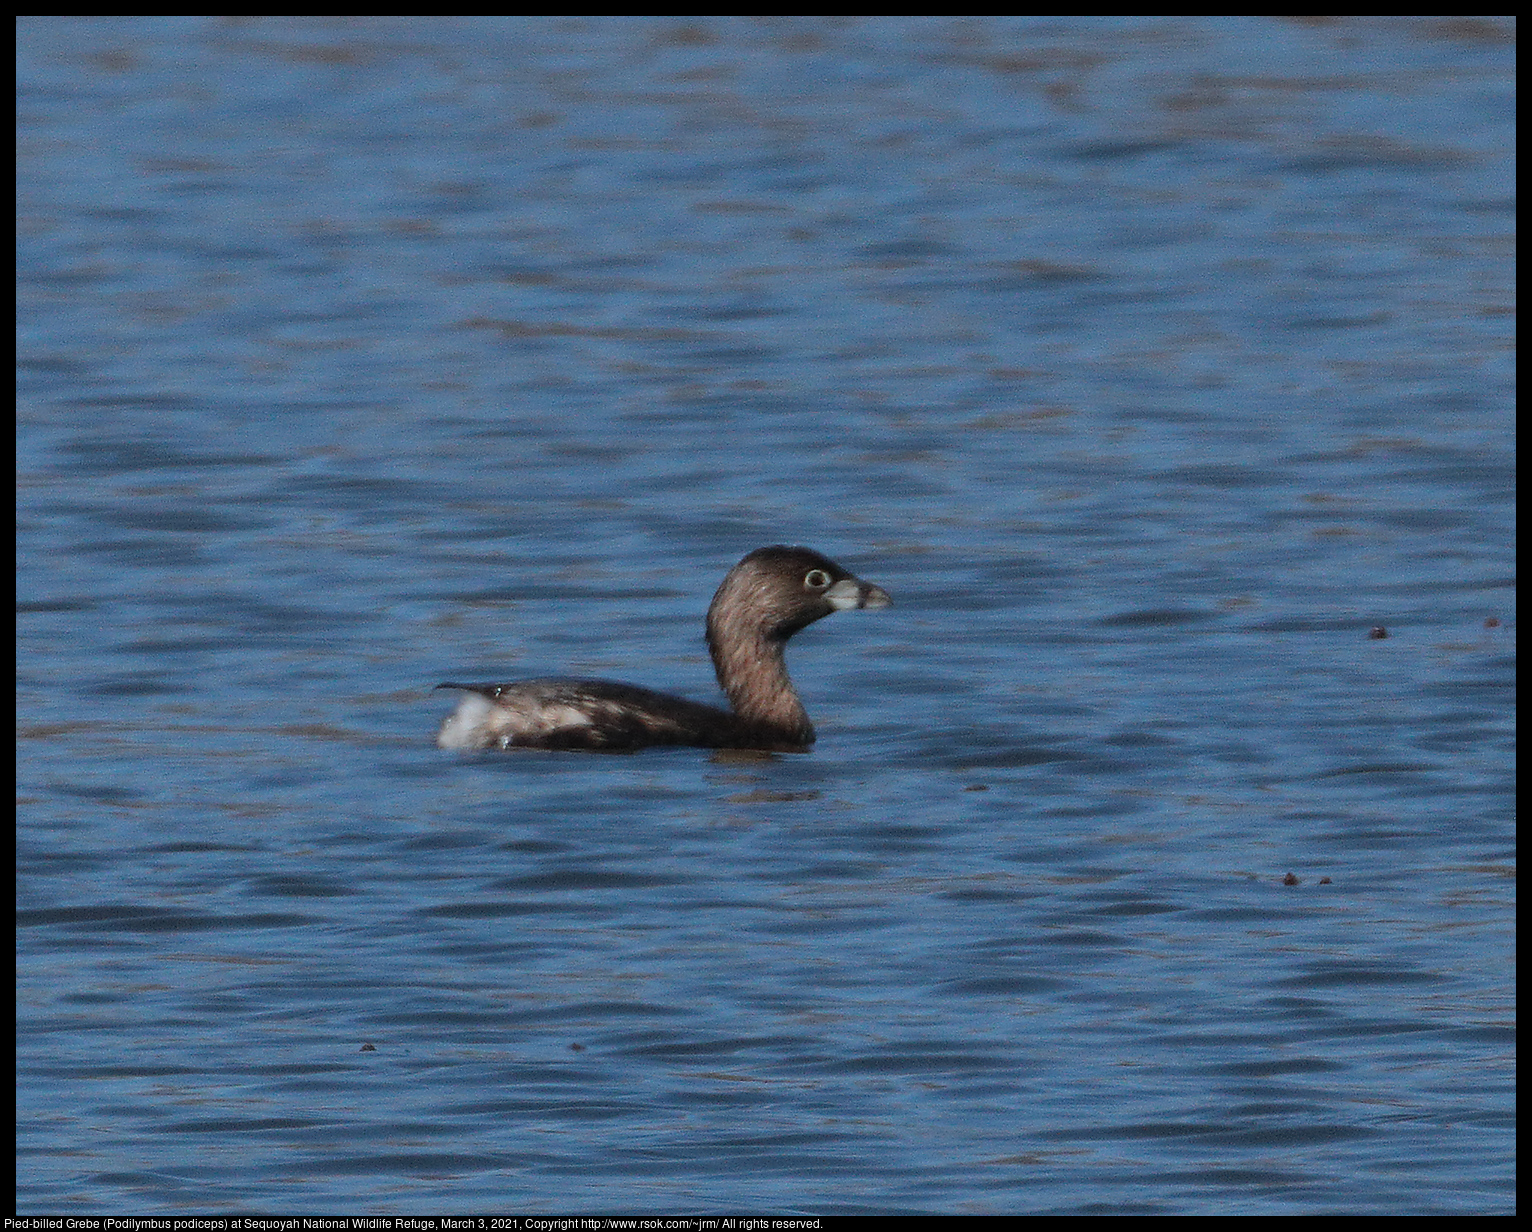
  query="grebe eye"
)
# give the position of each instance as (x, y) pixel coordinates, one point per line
(816, 579)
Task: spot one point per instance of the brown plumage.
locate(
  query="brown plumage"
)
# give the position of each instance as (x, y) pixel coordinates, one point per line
(766, 598)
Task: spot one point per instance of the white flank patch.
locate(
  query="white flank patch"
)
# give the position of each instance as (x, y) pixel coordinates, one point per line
(465, 727)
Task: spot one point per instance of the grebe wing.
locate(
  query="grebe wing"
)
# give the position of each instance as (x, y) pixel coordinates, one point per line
(579, 714)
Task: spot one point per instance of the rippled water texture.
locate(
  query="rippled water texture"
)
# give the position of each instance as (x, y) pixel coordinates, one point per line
(1150, 364)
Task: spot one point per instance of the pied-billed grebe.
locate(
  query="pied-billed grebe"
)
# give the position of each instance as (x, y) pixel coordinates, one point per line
(764, 600)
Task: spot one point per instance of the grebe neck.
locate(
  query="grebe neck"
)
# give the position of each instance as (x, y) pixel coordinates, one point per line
(753, 674)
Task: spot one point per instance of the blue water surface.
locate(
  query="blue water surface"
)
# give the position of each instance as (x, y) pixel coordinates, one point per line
(1156, 853)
